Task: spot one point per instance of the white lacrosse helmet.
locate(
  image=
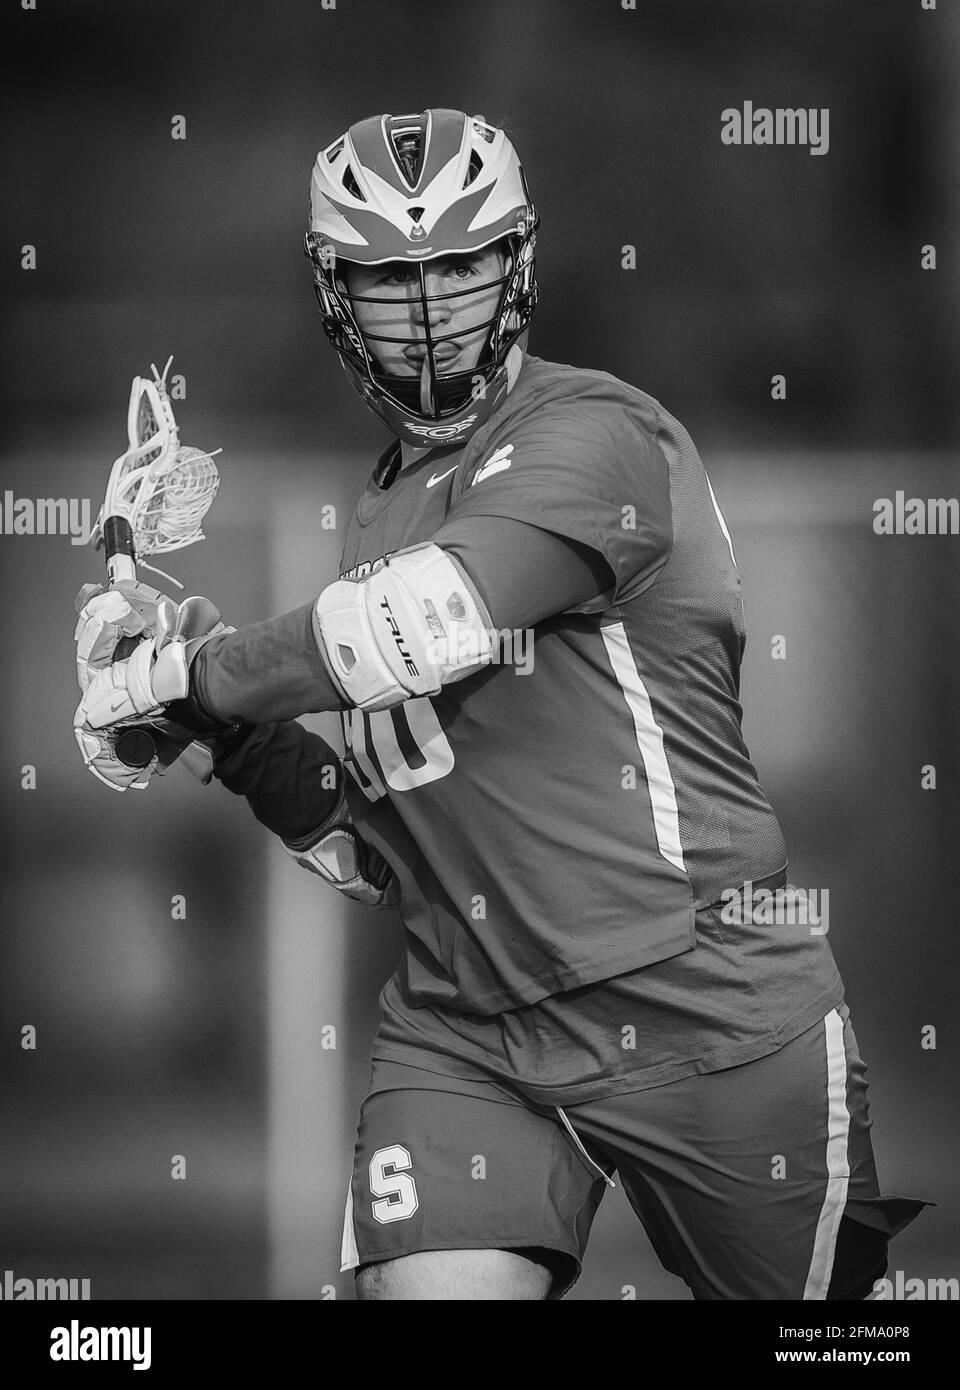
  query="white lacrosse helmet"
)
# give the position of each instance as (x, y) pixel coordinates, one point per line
(414, 189)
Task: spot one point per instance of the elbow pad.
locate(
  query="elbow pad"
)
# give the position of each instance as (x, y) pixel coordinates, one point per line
(407, 629)
(337, 854)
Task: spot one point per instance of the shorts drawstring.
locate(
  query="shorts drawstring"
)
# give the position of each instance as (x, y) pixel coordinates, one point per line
(576, 1139)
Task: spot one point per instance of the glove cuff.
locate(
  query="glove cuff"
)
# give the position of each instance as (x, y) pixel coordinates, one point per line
(170, 677)
(189, 711)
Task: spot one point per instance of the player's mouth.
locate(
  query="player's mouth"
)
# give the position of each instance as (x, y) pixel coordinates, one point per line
(443, 354)
(415, 355)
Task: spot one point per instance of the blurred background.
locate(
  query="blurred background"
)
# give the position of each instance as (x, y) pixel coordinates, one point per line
(207, 1035)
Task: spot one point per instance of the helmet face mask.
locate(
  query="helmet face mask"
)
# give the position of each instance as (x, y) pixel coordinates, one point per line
(461, 203)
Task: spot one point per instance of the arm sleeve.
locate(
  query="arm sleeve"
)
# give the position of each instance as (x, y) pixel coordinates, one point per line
(290, 777)
(263, 672)
(525, 574)
(586, 470)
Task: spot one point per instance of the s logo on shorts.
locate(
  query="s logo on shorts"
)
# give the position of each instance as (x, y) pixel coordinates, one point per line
(392, 1184)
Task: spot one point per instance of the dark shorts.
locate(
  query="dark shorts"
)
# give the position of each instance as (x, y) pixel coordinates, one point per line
(755, 1182)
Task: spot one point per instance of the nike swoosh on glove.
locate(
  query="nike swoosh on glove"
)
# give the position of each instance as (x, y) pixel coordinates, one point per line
(156, 673)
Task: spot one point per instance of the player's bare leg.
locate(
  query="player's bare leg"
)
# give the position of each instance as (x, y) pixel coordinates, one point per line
(455, 1274)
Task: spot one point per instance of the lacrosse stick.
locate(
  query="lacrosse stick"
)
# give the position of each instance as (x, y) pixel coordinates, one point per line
(157, 495)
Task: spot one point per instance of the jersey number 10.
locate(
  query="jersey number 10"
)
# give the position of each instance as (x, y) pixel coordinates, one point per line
(399, 748)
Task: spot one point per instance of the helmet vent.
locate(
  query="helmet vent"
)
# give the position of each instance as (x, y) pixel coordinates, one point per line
(408, 147)
(334, 150)
(351, 185)
(486, 132)
(416, 213)
(476, 167)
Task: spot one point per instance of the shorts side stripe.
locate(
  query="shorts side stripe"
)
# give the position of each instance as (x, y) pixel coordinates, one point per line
(349, 1254)
(838, 1162)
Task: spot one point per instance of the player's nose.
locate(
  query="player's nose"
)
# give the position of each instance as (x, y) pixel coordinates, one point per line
(438, 311)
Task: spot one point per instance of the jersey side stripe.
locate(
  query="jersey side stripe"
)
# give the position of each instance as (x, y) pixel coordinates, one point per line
(349, 1254)
(716, 508)
(838, 1164)
(663, 795)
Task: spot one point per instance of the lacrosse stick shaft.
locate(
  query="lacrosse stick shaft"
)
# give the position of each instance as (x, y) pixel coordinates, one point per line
(136, 746)
(118, 547)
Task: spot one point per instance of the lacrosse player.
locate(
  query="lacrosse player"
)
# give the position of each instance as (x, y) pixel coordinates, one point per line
(574, 1005)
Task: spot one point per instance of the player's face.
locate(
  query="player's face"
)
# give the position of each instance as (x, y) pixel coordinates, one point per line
(467, 318)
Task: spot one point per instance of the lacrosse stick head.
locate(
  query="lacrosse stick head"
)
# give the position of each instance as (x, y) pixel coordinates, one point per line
(173, 502)
(162, 489)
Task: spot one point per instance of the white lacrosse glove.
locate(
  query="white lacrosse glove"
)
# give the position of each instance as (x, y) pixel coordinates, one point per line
(132, 695)
(107, 614)
(155, 674)
(98, 750)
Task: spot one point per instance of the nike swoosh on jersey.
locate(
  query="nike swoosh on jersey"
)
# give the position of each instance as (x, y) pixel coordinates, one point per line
(439, 477)
(496, 463)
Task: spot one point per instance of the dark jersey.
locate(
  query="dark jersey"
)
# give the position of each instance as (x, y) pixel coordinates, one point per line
(557, 818)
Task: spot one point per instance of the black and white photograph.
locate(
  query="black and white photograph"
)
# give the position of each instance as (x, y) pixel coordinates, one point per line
(479, 537)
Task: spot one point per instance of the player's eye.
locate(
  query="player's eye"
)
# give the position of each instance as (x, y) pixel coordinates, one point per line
(403, 276)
